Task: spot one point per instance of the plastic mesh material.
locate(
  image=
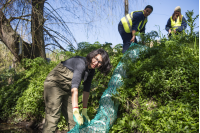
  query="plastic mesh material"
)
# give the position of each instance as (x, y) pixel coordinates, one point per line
(107, 111)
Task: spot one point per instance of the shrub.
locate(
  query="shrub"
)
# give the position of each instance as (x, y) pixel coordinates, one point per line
(161, 91)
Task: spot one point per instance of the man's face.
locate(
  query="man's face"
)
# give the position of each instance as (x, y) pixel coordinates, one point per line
(147, 12)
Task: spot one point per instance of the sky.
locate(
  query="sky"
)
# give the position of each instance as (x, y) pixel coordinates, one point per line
(105, 29)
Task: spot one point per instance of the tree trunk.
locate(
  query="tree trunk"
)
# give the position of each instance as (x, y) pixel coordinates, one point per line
(126, 7)
(9, 36)
(37, 21)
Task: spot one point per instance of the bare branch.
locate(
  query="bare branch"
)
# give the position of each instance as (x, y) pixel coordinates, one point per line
(64, 38)
(51, 44)
(20, 17)
(6, 4)
(51, 50)
(54, 39)
(64, 25)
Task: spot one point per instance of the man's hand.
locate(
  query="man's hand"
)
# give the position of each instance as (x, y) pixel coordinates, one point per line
(77, 117)
(133, 39)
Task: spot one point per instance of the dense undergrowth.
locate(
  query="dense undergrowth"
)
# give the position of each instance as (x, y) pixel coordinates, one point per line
(161, 93)
(23, 100)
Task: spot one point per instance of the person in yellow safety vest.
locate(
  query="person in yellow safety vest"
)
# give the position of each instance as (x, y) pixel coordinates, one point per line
(132, 23)
(176, 23)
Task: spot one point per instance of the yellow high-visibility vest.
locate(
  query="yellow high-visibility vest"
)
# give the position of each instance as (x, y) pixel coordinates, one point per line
(176, 24)
(127, 22)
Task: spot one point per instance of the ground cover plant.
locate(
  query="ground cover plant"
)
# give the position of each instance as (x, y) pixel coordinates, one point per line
(161, 91)
(23, 99)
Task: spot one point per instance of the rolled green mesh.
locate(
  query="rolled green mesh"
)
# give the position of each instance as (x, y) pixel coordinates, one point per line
(107, 111)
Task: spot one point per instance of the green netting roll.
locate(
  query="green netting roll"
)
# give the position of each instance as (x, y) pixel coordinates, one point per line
(107, 111)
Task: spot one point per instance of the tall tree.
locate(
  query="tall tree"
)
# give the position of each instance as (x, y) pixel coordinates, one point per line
(126, 6)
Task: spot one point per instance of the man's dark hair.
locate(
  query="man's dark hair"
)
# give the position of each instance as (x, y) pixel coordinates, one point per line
(149, 6)
(106, 66)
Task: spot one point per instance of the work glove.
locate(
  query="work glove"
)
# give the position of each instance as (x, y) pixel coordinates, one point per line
(77, 117)
(84, 113)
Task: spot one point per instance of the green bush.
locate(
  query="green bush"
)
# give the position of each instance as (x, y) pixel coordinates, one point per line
(161, 91)
(24, 98)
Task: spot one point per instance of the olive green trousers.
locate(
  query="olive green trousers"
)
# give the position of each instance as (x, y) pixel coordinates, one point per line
(57, 97)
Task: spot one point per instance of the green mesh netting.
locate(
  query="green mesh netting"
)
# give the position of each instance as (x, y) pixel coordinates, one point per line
(107, 111)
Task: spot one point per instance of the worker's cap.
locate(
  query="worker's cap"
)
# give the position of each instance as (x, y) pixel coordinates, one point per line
(178, 8)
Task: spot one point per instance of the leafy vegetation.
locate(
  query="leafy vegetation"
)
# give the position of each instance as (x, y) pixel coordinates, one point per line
(161, 91)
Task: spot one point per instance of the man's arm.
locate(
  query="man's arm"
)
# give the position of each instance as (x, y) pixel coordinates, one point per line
(133, 34)
(137, 18)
